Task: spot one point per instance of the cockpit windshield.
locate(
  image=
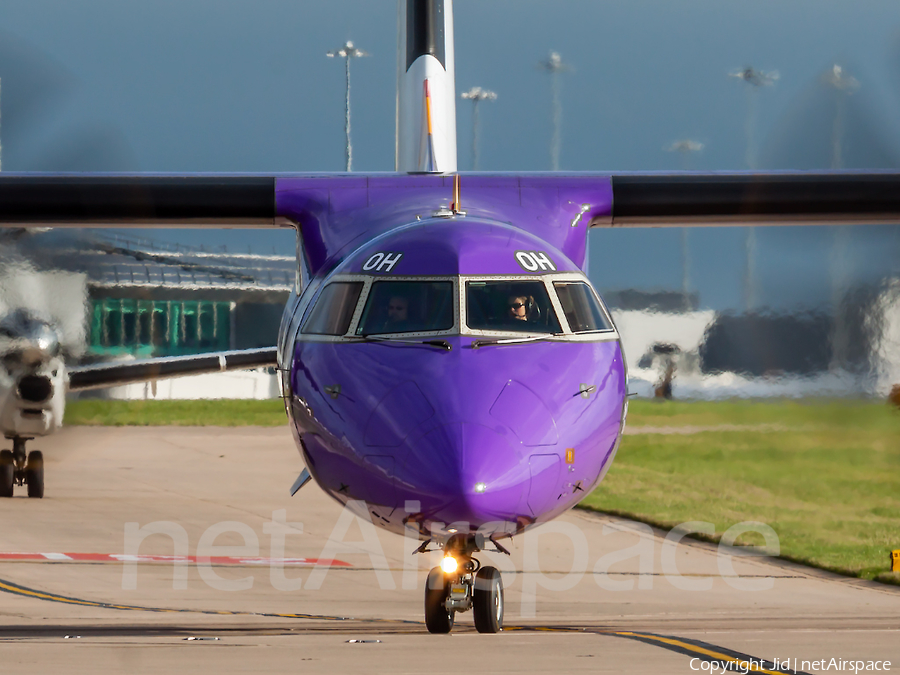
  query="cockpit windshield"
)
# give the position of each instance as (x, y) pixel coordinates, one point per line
(376, 309)
(407, 307)
(334, 309)
(581, 307)
(510, 306)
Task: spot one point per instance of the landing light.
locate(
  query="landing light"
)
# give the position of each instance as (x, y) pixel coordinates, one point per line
(480, 487)
(449, 564)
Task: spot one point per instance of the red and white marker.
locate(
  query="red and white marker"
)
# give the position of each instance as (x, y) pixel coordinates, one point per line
(208, 560)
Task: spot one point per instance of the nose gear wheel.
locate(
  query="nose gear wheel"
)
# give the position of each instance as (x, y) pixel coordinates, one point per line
(476, 588)
(34, 474)
(488, 600)
(7, 473)
(438, 619)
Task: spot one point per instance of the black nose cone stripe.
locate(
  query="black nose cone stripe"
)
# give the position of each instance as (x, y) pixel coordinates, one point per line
(35, 388)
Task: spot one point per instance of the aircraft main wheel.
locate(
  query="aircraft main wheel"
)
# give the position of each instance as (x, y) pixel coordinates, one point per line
(34, 474)
(7, 473)
(438, 619)
(488, 600)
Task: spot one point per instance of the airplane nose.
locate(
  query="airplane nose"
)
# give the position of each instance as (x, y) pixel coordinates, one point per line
(469, 473)
(35, 340)
(35, 388)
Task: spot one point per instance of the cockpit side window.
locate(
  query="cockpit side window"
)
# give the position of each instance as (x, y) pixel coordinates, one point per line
(513, 306)
(334, 309)
(407, 307)
(582, 310)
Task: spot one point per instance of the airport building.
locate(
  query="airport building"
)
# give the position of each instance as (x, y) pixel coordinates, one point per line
(143, 298)
(854, 351)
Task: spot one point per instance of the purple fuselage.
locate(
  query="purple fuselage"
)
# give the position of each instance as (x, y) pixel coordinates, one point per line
(477, 437)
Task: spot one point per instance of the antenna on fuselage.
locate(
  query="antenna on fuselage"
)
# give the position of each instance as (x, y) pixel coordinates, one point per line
(456, 204)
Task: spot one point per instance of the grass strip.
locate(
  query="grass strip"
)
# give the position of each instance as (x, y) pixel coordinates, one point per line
(828, 483)
(797, 413)
(199, 413)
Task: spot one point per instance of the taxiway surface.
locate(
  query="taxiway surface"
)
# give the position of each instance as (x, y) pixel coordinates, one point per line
(623, 609)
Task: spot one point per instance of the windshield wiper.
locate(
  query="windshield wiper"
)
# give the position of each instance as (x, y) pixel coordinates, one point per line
(440, 344)
(514, 341)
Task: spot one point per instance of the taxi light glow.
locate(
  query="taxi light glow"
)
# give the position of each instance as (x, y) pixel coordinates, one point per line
(449, 564)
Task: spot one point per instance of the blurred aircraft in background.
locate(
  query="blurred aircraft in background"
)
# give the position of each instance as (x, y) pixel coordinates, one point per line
(34, 381)
(42, 331)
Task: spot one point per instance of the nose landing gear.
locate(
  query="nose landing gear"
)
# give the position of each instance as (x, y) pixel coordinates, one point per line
(467, 586)
(17, 468)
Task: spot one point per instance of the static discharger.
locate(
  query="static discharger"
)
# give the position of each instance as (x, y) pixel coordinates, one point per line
(895, 561)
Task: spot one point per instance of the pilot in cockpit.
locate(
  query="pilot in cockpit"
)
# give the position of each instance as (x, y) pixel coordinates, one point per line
(521, 307)
(397, 315)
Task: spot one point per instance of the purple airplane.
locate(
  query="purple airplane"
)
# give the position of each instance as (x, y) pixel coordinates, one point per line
(447, 367)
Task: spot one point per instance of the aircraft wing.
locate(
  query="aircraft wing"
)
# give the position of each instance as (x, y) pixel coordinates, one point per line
(274, 200)
(331, 211)
(127, 372)
(789, 198)
(143, 200)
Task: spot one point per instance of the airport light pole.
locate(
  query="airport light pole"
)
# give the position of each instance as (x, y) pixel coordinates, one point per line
(477, 95)
(755, 79)
(554, 66)
(347, 52)
(685, 147)
(844, 85)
